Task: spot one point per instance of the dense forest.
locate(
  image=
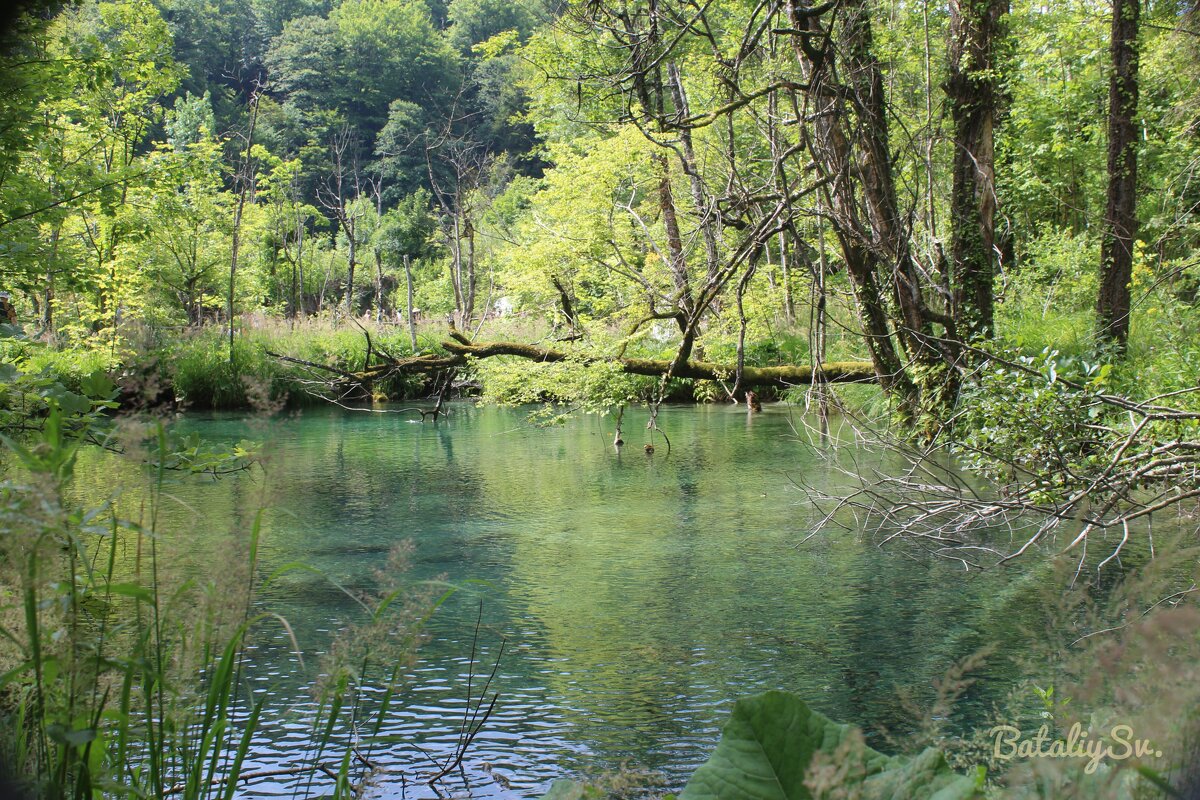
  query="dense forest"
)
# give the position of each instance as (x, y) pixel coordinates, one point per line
(752, 185)
(971, 228)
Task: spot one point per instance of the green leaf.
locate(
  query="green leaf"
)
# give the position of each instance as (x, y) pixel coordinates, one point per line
(67, 400)
(924, 775)
(73, 737)
(8, 331)
(98, 385)
(769, 743)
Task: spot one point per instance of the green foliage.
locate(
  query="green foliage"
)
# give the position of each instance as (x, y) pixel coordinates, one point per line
(203, 377)
(1050, 151)
(406, 230)
(592, 387)
(120, 678)
(774, 747)
(363, 56)
(475, 21)
(1022, 423)
(33, 396)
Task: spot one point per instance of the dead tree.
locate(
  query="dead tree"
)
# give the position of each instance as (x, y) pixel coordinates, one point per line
(245, 181)
(458, 351)
(1143, 462)
(458, 168)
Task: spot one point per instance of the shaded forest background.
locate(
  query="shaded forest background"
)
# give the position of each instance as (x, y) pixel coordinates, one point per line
(745, 183)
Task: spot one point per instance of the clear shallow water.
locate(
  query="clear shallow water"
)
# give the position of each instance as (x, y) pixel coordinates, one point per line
(638, 595)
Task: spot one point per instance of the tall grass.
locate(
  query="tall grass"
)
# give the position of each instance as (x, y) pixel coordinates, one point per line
(121, 677)
(93, 675)
(198, 366)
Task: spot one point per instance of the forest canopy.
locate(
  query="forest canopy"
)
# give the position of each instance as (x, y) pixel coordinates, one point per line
(893, 184)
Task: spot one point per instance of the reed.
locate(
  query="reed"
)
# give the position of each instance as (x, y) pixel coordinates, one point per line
(122, 676)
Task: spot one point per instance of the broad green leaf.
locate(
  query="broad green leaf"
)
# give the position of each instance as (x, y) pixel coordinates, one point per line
(925, 775)
(769, 743)
(67, 400)
(98, 385)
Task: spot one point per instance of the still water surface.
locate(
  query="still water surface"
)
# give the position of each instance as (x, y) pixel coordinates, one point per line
(638, 596)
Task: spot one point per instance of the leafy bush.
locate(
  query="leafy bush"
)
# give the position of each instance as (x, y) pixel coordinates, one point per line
(1022, 423)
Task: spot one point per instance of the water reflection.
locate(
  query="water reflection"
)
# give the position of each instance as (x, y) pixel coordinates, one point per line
(639, 595)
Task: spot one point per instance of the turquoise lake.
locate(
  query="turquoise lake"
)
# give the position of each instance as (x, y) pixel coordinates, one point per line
(637, 596)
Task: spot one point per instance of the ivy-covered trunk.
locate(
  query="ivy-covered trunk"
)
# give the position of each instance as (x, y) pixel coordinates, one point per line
(1120, 216)
(973, 91)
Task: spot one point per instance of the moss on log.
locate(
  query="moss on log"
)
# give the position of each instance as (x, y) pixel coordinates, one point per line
(780, 377)
(460, 350)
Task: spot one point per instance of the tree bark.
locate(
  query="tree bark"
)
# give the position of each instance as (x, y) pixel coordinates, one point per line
(469, 293)
(666, 203)
(973, 92)
(706, 218)
(349, 225)
(412, 325)
(294, 305)
(850, 146)
(1120, 216)
(246, 178)
(48, 319)
(456, 269)
(831, 149)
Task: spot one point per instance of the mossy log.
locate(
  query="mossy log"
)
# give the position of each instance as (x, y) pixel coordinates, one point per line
(460, 349)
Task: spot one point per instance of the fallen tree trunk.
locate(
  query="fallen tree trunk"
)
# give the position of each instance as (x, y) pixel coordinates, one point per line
(460, 350)
(779, 377)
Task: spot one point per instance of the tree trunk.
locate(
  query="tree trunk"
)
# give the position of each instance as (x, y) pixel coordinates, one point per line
(294, 308)
(885, 237)
(48, 319)
(707, 220)
(247, 179)
(1120, 216)
(456, 270)
(469, 293)
(666, 203)
(850, 147)
(831, 151)
(378, 286)
(461, 348)
(412, 325)
(785, 278)
(972, 89)
(352, 256)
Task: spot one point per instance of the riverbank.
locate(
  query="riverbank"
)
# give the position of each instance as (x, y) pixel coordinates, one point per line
(194, 368)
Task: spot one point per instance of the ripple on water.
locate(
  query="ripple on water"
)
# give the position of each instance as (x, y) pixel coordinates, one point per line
(638, 597)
